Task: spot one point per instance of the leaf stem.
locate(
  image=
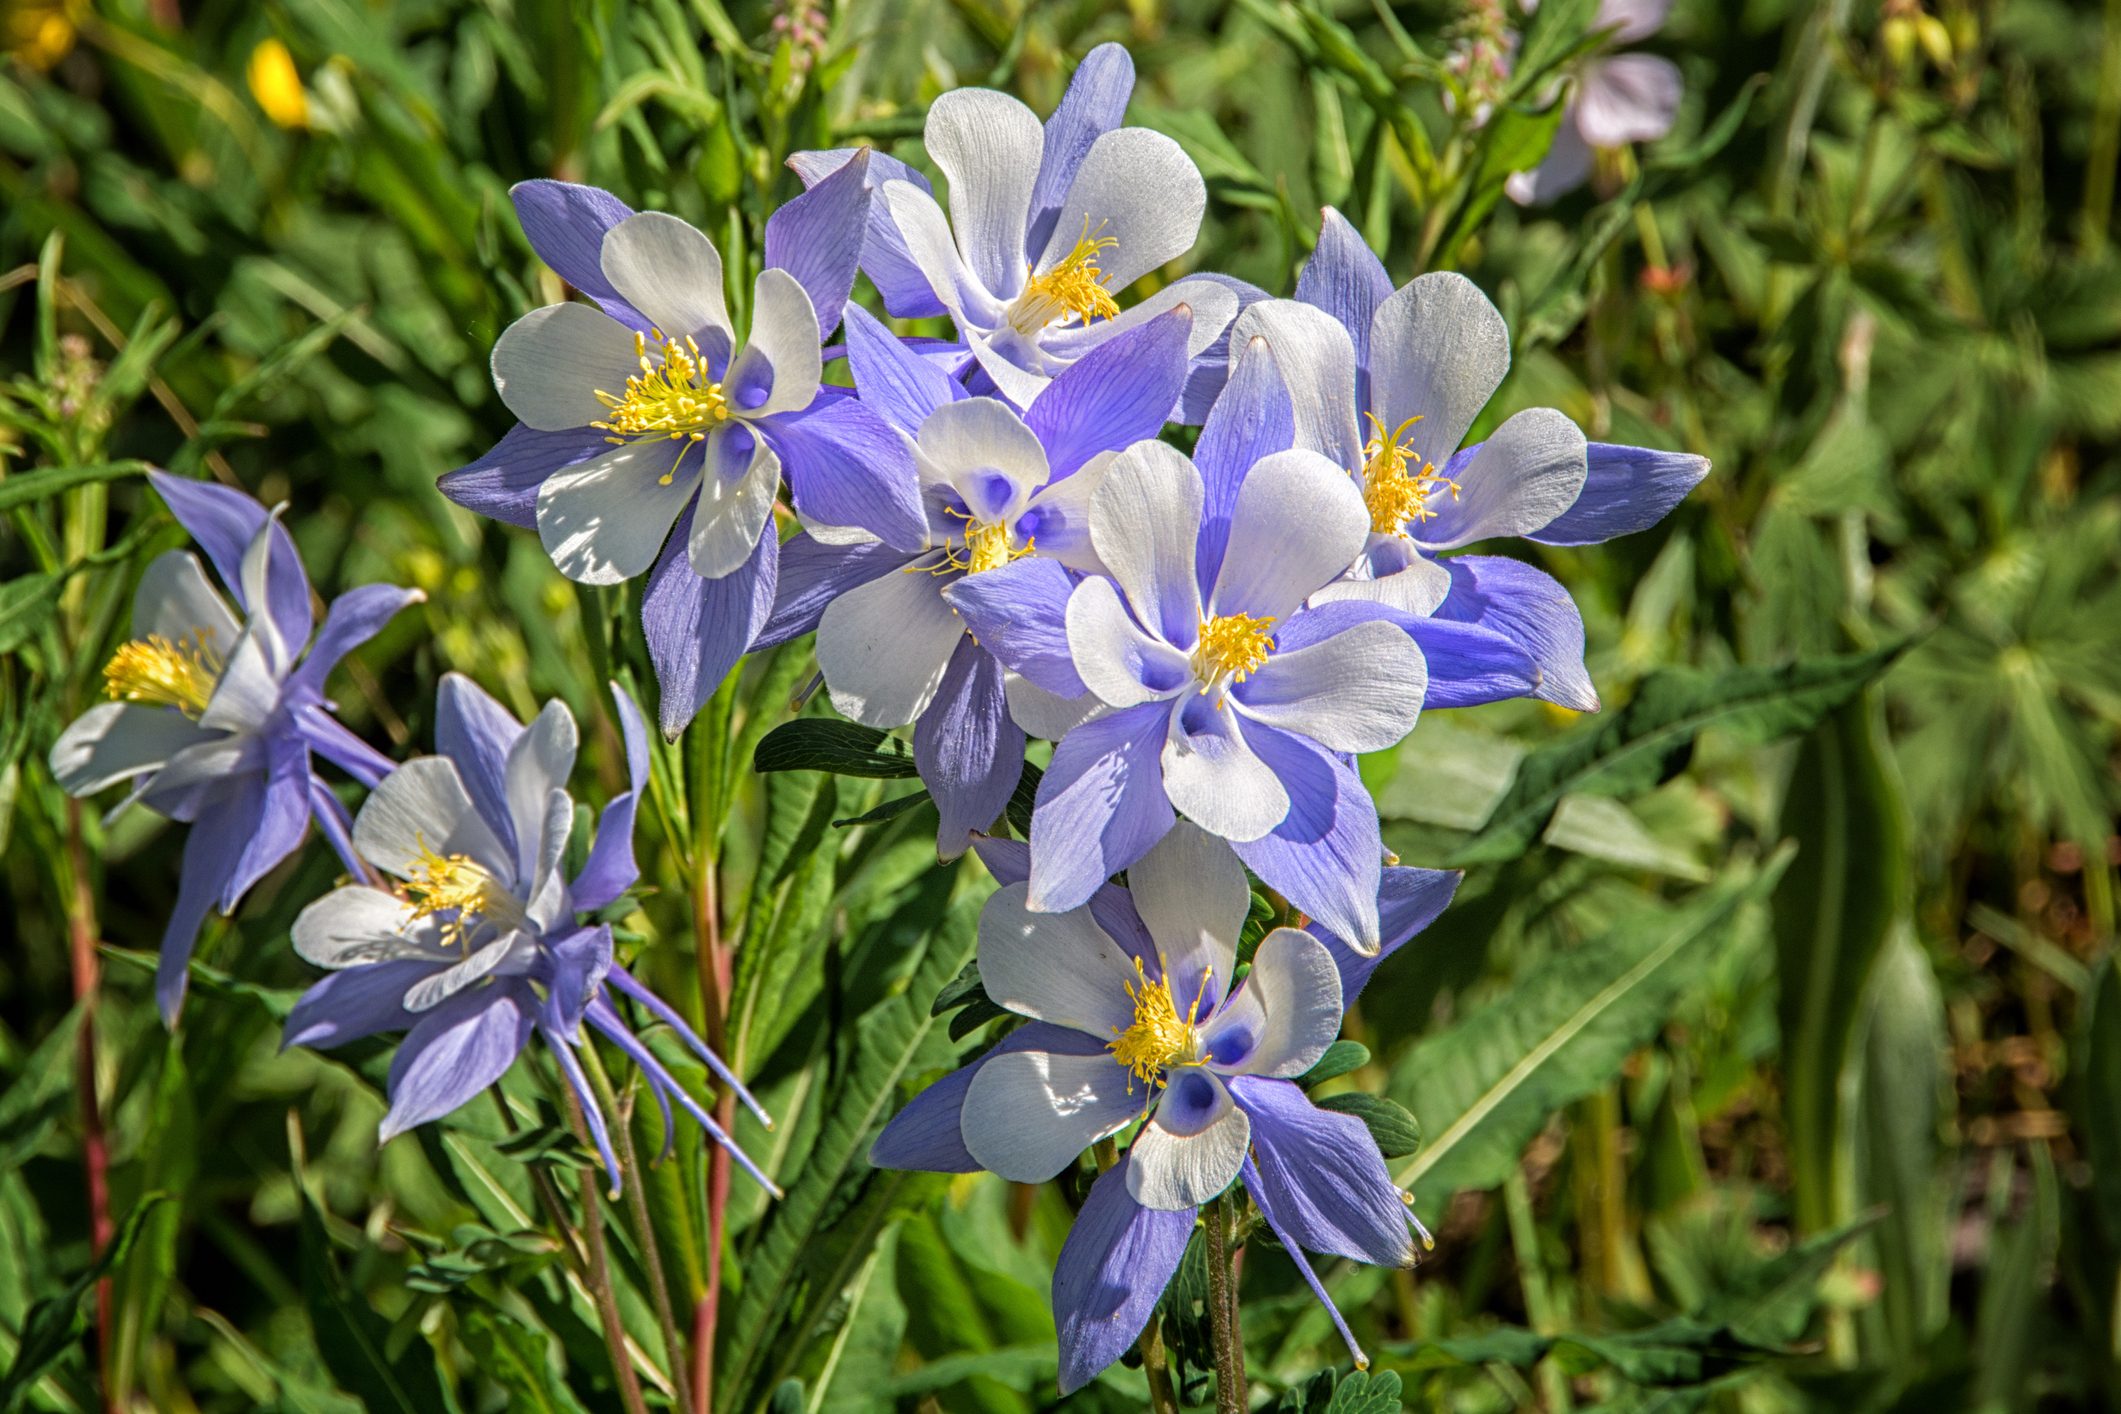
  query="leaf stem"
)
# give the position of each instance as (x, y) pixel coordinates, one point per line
(1230, 1394)
(1156, 1364)
(621, 1125)
(95, 1155)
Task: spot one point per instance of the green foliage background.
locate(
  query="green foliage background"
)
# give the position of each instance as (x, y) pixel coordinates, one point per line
(1771, 1055)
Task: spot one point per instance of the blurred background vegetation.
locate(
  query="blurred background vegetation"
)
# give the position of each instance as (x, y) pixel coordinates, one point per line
(1710, 1123)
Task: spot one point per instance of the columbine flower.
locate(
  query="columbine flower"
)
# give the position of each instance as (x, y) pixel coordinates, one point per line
(216, 711)
(1219, 693)
(1003, 492)
(1386, 383)
(1617, 99)
(1132, 1018)
(1048, 223)
(643, 410)
(479, 942)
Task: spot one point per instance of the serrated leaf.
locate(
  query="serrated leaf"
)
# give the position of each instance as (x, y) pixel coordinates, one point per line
(1366, 1392)
(1489, 1082)
(843, 748)
(1390, 1123)
(516, 1358)
(1647, 741)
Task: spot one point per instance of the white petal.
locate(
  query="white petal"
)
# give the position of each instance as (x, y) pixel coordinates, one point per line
(1530, 471)
(430, 992)
(669, 272)
(1143, 524)
(1047, 715)
(986, 453)
(1139, 188)
(423, 806)
(355, 925)
(1057, 967)
(604, 521)
(548, 892)
(1192, 1148)
(1063, 527)
(1392, 572)
(114, 740)
(1028, 1114)
(1019, 383)
(1120, 664)
(1213, 306)
(734, 511)
(1628, 98)
(988, 146)
(538, 764)
(1212, 774)
(1631, 20)
(1298, 523)
(784, 334)
(257, 592)
(926, 231)
(1316, 359)
(549, 365)
(1360, 690)
(248, 689)
(883, 647)
(194, 766)
(1191, 893)
(176, 601)
(1438, 350)
(1287, 1013)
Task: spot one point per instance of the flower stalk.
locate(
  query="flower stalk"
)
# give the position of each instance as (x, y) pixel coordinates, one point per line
(1228, 1337)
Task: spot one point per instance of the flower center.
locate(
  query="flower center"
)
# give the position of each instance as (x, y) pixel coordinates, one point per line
(439, 884)
(1073, 287)
(164, 674)
(1159, 1037)
(987, 545)
(671, 398)
(1232, 646)
(1396, 485)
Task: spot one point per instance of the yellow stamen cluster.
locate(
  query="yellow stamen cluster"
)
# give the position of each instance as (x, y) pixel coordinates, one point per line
(1158, 1037)
(1394, 486)
(987, 545)
(1073, 287)
(438, 884)
(1232, 646)
(161, 673)
(671, 396)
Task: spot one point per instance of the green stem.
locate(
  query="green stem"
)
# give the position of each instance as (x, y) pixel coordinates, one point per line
(1156, 1364)
(1532, 1280)
(1230, 1393)
(644, 1232)
(601, 1289)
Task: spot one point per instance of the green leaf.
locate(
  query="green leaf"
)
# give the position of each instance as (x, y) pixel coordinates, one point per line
(43, 1091)
(1832, 914)
(1391, 1124)
(843, 748)
(1646, 742)
(1339, 1058)
(516, 1358)
(354, 1340)
(781, 1285)
(1489, 1082)
(1366, 1392)
(28, 487)
(58, 1324)
(27, 605)
(2098, 1047)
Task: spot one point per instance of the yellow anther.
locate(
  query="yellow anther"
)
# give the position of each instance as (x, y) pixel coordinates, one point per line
(436, 884)
(1072, 288)
(1396, 485)
(671, 396)
(1158, 1037)
(1232, 646)
(988, 545)
(161, 673)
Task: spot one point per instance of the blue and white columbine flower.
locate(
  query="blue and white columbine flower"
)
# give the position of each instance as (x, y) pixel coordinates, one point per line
(478, 943)
(644, 411)
(1221, 694)
(1008, 501)
(1048, 223)
(216, 711)
(1131, 1017)
(1387, 383)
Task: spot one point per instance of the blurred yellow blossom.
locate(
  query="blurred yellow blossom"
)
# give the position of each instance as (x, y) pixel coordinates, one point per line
(276, 85)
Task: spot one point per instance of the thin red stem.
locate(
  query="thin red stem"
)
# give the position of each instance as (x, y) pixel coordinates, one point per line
(95, 1153)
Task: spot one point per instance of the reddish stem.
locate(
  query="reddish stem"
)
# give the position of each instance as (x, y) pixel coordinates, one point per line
(95, 1154)
(715, 981)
